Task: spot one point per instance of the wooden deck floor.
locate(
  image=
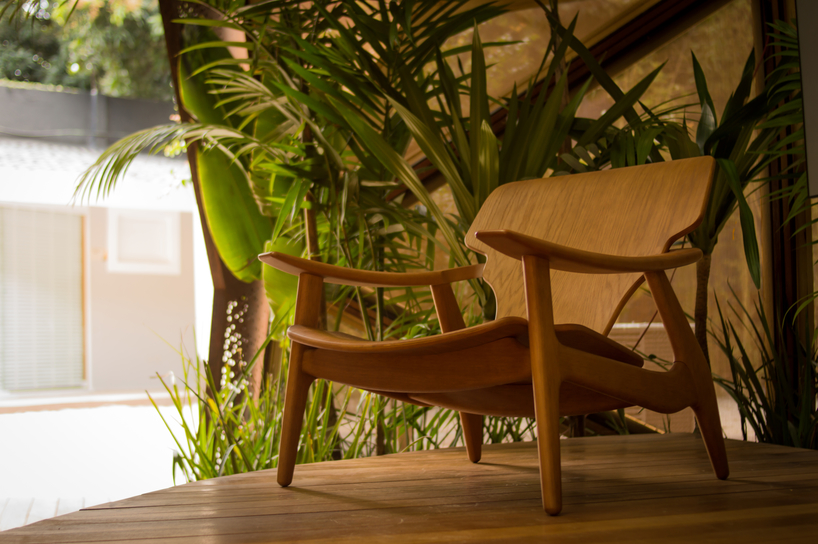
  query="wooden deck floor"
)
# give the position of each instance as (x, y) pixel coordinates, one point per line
(647, 488)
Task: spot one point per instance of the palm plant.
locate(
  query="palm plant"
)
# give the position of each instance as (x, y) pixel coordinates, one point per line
(465, 149)
(268, 142)
(744, 144)
(275, 150)
(768, 404)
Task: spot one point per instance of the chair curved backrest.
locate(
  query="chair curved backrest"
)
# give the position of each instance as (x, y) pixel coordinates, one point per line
(635, 211)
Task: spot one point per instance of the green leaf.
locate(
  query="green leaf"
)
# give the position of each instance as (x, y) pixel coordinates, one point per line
(742, 92)
(217, 44)
(572, 161)
(701, 87)
(434, 147)
(544, 129)
(416, 100)
(448, 84)
(486, 177)
(620, 108)
(748, 230)
(217, 23)
(707, 125)
(478, 100)
(401, 169)
(645, 143)
(238, 228)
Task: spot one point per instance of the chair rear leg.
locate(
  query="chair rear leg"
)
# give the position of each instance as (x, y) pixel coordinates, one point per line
(295, 401)
(473, 435)
(707, 415)
(686, 348)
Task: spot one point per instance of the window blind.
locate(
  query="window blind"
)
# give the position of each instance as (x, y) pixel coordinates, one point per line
(41, 321)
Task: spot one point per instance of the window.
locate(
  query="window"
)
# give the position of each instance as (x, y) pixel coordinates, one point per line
(144, 242)
(41, 300)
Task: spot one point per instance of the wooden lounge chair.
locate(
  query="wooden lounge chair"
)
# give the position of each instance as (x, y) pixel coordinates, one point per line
(563, 256)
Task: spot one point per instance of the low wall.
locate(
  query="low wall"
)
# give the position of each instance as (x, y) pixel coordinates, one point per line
(75, 117)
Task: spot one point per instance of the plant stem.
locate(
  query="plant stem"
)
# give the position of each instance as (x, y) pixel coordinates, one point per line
(700, 312)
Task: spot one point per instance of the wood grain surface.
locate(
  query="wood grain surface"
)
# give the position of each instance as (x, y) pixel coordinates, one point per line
(636, 489)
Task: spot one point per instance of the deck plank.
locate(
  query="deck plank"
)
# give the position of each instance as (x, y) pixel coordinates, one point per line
(616, 489)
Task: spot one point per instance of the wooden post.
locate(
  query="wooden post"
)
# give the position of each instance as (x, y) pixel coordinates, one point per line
(791, 241)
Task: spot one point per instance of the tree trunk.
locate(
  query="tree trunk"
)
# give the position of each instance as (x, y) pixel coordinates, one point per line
(238, 306)
(240, 320)
(700, 313)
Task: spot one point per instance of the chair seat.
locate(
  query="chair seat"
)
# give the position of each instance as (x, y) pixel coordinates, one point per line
(483, 369)
(509, 327)
(571, 335)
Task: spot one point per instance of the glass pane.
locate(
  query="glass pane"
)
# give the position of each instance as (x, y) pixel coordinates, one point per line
(519, 62)
(722, 66)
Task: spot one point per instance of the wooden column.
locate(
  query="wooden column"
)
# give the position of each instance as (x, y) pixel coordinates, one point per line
(791, 241)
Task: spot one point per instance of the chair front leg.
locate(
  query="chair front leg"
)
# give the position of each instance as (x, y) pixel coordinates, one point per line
(295, 402)
(307, 312)
(687, 350)
(545, 377)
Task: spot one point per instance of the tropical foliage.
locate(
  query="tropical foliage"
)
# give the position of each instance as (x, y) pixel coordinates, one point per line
(775, 380)
(775, 392)
(301, 149)
(114, 46)
(277, 149)
(742, 140)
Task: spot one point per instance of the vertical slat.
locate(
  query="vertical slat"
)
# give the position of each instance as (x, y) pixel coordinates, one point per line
(15, 513)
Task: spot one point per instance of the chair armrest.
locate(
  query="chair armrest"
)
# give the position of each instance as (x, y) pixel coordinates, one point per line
(367, 278)
(516, 245)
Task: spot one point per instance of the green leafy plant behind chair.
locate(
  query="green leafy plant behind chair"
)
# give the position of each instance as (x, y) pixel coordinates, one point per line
(762, 376)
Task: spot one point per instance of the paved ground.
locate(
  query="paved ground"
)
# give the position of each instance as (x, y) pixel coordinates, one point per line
(58, 461)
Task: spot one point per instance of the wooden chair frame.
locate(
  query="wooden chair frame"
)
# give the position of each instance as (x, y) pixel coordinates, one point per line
(447, 370)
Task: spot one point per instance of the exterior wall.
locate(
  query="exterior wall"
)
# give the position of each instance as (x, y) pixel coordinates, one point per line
(134, 317)
(78, 118)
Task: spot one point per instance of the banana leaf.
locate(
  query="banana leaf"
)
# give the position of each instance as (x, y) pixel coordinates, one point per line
(281, 287)
(239, 229)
